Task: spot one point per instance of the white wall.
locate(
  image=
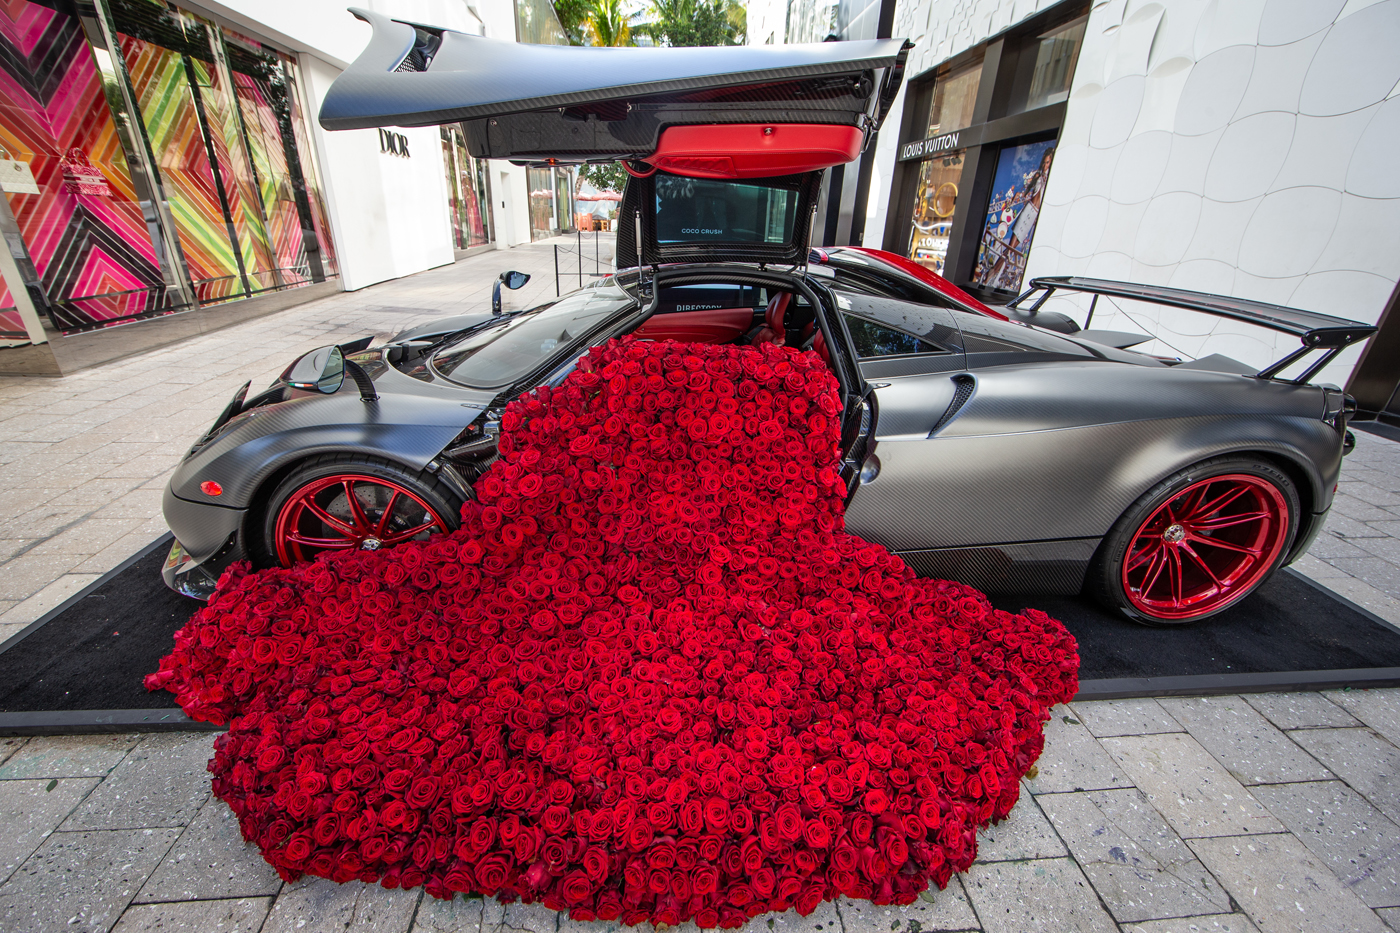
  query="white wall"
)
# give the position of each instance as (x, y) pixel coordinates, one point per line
(1242, 147)
(766, 18)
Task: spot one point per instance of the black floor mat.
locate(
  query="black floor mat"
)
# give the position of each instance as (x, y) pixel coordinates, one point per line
(93, 654)
(1288, 624)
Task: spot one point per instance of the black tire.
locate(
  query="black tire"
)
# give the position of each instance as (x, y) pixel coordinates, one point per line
(374, 479)
(1207, 565)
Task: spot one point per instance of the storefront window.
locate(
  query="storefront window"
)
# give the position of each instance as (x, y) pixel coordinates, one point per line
(1056, 53)
(935, 204)
(85, 232)
(551, 201)
(468, 191)
(165, 151)
(1018, 186)
(954, 95)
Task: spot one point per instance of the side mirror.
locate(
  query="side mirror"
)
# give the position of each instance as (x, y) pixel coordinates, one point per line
(511, 280)
(321, 370)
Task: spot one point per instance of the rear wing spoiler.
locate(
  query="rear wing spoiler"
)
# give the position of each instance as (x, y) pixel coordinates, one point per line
(1321, 332)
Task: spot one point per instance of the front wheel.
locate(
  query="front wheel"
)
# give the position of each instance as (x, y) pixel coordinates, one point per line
(348, 502)
(1198, 542)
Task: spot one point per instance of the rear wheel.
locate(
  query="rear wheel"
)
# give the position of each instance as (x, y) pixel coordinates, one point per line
(350, 502)
(1198, 542)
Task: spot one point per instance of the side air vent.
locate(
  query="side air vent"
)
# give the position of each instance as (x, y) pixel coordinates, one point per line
(964, 384)
(425, 46)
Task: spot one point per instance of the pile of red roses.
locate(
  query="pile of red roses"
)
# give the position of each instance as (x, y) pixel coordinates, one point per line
(650, 678)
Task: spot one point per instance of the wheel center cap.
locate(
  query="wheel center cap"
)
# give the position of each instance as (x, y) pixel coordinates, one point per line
(1174, 534)
(370, 544)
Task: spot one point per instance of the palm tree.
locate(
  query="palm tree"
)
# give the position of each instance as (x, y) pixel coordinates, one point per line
(608, 23)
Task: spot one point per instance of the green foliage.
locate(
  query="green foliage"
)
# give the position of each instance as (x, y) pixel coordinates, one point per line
(696, 22)
(573, 16)
(607, 23)
(607, 177)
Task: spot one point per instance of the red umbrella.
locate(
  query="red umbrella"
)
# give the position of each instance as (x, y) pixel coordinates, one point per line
(600, 196)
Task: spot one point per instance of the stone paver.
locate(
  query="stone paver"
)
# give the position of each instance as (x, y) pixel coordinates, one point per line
(1025, 833)
(10, 744)
(1246, 743)
(1045, 894)
(1125, 717)
(1379, 709)
(1352, 838)
(30, 810)
(1300, 710)
(162, 782)
(1141, 869)
(1216, 923)
(1283, 887)
(211, 860)
(315, 905)
(1197, 796)
(81, 882)
(948, 909)
(1072, 759)
(459, 915)
(242, 915)
(67, 756)
(1367, 762)
(1391, 916)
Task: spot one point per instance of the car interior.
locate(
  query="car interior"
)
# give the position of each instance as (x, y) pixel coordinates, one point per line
(729, 313)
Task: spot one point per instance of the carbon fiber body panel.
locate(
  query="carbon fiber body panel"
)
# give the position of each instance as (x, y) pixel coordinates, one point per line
(201, 529)
(1060, 450)
(410, 423)
(1048, 567)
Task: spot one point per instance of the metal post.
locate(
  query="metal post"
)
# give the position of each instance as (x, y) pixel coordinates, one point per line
(579, 234)
(1093, 302)
(597, 268)
(556, 270)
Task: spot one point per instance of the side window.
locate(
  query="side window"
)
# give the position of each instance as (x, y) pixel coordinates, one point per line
(876, 340)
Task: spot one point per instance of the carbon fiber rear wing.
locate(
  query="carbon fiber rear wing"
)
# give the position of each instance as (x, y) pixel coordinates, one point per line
(1321, 332)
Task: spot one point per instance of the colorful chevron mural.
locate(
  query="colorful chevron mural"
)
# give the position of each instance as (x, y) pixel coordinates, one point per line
(93, 253)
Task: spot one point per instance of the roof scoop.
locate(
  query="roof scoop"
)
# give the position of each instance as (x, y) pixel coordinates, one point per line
(715, 112)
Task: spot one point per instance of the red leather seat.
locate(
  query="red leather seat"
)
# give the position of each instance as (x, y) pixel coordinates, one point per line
(774, 329)
(818, 343)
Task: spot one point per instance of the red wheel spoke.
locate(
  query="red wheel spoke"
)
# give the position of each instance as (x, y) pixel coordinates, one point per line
(1225, 521)
(1200, 562)
(326, 517)
(1218, 503)
(384, 517)
(362, 525)
(1174, 574)
(1135, 559)
(407, 533)
(1227, 545)
(1154, 570)
(328, 544)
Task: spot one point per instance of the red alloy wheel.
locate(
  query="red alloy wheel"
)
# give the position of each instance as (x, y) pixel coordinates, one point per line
(347, 511)
(1206, 547)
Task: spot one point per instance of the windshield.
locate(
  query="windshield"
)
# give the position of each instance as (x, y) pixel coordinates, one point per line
(502, 353)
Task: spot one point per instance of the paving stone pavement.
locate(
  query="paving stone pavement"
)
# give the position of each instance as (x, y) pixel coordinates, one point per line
(1239, 814)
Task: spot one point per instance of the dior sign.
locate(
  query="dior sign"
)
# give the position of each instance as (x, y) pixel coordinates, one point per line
(393, 143)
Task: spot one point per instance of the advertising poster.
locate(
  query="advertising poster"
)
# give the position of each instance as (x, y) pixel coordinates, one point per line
(934, 206)
(1018, 187)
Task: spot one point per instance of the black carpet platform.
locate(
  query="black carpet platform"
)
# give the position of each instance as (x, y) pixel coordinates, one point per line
(80, 667)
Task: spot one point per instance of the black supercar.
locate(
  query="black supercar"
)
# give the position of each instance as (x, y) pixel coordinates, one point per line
(1006, 448)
